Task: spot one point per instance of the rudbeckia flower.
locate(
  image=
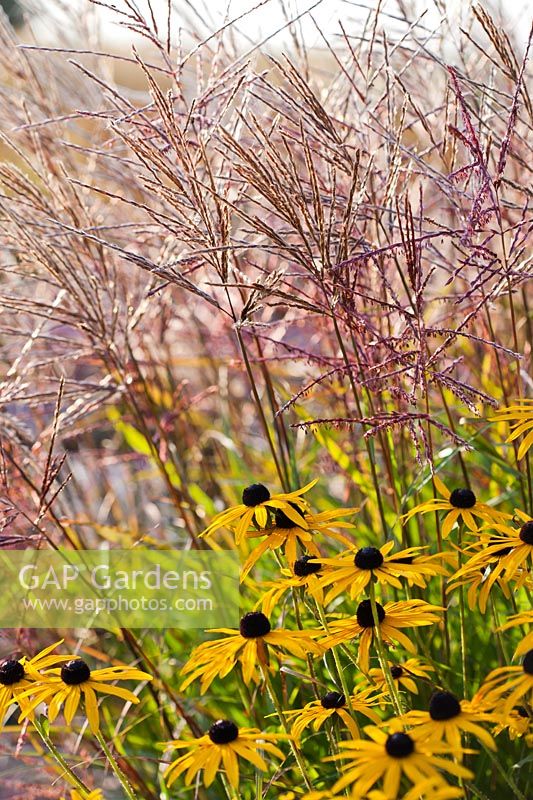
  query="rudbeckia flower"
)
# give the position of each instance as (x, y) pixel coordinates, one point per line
(520, 415)
(15, 677)
(288, 534)
(506, 686)
(461, 504)
(403, 674)
(305, 576)
(513, 545)
(257, 503)
(517, 723)
(388, 757)
(353, 570)
(447, 718)
(220, 748)
(67, 685)
(249, 646)
(485, 570)
(332, 704)
(391, 617)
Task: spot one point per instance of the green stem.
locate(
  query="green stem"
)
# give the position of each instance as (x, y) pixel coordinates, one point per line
(393, 692)
(69, 774)
(282, 719)
(517, 794)
(233, 794)
(128, 789)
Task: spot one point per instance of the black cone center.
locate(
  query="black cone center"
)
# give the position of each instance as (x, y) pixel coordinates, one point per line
(254, 624)
(396, 671)
(444, 705)
(303, 566)
(223, 731)
(255, 494)
(11, 672)
(368, 558)
(463, 498)
(333, 700)
(526, 532)
(75, 672)
(399, 745)
(364, 614)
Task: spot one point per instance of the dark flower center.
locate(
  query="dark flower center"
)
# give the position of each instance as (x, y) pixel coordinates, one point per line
(463, 498)
(283, 521)
(399, 745)
(444, 705)
(254, 624)
(502, 551)
(368, 558)
(255, 494)
(526, 532)
(396, 671)
(364, 614)
(223, 731)
(11, 672)
(333, 700)
(528, 662)
(303, 567)
(75, 672)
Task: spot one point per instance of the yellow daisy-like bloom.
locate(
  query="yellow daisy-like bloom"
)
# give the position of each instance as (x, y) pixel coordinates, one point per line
(220, 748)
(66, 687)
(304, 577)
(525, 618)
(517, 723)
(387, 757)
(334, 703)
(249, 646)
(257, 503)
(514, 546)
(487, 568)
(403, 674)
(290, 535)
(430, 789)
(447, 718)
(391, 617)
(506, 686)
(352, 571)
(461, 504)
(16, 677)
(520, 415)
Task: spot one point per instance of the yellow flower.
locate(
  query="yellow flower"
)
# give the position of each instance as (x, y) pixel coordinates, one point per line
(447, 718)
(67, 685)
(305, 577)
(390, 755)
(513, 547)
(16, 677)
(403, 674)
(257, 503)
(353, 570)
(517, 723)
(334, 703)
(219, 748)
(461, 504)
(286, 533)
(249, 646)
(486, 569)
(506, 686)
(520, 414)
(96, 794)
(525, 618)
(391, 617)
